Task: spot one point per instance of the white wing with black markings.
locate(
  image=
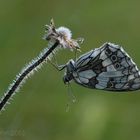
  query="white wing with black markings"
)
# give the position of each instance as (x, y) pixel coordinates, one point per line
(109, 68)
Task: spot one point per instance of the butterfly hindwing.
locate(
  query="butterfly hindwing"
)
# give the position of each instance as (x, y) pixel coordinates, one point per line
(108, 67)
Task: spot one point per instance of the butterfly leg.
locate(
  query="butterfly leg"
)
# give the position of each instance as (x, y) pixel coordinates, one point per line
(75, 55)
(55, 63)
(80, 41)
(58, 67)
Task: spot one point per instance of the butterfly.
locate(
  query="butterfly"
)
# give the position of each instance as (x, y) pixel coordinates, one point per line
(108, 68)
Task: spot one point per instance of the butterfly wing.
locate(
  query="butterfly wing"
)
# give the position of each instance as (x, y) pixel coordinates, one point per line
(108, 67)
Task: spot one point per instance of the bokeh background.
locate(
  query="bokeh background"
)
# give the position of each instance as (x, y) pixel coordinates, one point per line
(38, 111)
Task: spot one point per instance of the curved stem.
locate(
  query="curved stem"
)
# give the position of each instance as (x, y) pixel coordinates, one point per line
(24, 74)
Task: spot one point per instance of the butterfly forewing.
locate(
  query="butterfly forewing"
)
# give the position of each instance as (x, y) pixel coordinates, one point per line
(108, 67)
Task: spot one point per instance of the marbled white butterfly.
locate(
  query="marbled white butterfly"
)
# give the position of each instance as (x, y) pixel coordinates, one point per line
(108, 67)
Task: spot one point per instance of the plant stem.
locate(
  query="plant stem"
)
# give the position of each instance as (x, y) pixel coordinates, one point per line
(20, 79)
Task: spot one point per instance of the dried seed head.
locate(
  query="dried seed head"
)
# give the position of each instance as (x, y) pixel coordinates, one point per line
(63, 35)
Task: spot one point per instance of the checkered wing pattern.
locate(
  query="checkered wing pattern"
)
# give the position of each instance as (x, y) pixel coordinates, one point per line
(109, 68)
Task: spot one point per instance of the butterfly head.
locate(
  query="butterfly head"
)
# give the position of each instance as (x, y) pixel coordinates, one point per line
(70, 68)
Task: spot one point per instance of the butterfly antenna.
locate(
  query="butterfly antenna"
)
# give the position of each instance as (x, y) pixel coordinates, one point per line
(71, 97)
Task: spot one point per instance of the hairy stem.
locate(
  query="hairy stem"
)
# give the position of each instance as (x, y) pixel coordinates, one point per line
(24, 74)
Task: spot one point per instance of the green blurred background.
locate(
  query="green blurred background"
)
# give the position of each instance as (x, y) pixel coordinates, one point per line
(38, 111)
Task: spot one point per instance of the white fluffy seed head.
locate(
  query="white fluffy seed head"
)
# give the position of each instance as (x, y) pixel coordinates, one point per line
(63, 35)
(65, 32)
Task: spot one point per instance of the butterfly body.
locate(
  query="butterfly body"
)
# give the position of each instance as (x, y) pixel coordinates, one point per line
(108, 67)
